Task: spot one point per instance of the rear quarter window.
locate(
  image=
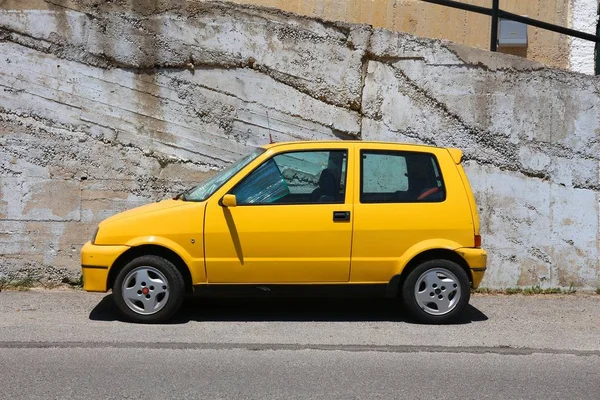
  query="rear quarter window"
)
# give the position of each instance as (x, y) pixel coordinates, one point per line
(400, 177)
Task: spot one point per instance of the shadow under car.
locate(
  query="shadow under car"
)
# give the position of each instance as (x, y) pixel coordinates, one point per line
(269, 309)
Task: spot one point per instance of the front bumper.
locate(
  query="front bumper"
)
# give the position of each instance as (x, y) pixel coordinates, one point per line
(96, 261)
(477, 260)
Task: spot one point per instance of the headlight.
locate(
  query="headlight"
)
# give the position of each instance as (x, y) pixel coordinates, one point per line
(94, 236)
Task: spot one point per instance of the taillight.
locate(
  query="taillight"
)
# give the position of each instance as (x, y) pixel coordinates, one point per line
(477, 240)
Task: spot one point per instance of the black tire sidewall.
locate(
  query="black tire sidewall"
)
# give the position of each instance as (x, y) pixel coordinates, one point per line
(408, 292)
(174, 282)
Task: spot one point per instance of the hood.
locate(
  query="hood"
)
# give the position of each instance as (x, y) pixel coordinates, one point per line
(146, 209)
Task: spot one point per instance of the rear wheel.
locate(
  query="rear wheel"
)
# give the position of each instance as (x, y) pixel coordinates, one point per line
(436, 292)
(149, 289)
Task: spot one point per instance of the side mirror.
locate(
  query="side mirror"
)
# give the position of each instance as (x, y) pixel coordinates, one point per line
(229, 200)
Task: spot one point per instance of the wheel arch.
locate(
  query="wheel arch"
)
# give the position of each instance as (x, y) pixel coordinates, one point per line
(397, 280)
(153, 250)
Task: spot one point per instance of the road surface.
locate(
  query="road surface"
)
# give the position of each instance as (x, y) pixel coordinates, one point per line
(70, 344)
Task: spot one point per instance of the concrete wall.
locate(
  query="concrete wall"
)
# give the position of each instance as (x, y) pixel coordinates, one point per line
(105, 106)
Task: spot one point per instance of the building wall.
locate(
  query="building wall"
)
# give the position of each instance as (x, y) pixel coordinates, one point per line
(106, 106)
(434, 21)
(584, 17)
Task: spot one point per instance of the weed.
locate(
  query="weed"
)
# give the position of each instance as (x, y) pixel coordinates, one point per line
(76, 283)
(27, 283)
(529, 291)
(513, 290)
(537, 289)
(571, 289)
(598, 290)
(558, 291)
(484, 290)
(50, 284)
(22, 284)
(533, 290)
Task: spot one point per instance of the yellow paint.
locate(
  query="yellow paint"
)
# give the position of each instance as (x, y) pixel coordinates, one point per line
(477, 278)
(477, 260)
(225, 242)
(438, 22)
(102, 258)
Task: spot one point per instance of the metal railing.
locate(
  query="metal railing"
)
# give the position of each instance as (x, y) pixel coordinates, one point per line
(496, 13)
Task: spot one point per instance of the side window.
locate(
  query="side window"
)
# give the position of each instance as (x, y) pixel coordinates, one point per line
(299, 177)
(400, 177)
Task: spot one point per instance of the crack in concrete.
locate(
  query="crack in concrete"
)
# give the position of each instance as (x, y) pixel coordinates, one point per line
(185, 83)
(163, 160)
(364, 60)
(353, 348)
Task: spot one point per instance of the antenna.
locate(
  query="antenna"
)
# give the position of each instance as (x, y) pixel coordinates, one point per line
(269, 127)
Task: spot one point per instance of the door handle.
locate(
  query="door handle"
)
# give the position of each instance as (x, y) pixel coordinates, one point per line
(341, 216)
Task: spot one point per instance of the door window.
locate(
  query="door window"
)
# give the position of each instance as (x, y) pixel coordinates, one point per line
(400, 177)
(300, 177)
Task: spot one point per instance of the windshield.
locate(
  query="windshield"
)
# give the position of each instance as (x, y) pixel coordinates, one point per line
(206, 189)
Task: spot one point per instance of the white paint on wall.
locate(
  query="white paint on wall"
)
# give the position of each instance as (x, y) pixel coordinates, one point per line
(584, 17)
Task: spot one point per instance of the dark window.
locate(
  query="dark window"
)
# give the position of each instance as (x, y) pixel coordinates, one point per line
(400, 177)
(300, 177)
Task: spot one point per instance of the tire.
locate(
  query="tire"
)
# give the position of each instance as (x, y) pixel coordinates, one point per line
(436, 292)
(149, 289)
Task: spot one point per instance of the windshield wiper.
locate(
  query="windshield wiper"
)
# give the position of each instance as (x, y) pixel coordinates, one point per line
(180, 196)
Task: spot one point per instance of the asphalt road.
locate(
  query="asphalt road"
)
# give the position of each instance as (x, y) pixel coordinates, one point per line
(69, 344)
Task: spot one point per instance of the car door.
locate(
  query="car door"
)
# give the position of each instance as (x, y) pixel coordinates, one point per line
(292, 222)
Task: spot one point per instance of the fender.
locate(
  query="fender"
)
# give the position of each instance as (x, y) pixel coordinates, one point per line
(414, 251)
(418, 248)
(195, 266)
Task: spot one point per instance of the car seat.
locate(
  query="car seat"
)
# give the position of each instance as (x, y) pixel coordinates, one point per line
(328, 188)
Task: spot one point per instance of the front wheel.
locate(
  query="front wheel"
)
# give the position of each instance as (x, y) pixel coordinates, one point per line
(436, 292)
(149, 289)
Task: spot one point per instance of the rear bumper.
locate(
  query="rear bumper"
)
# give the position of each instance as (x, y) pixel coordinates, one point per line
(477, 260)
(96, 261)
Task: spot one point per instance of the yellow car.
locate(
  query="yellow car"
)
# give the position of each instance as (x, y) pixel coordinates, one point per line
(395, 219)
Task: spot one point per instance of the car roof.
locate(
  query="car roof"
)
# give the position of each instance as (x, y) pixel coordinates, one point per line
(337, 142)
